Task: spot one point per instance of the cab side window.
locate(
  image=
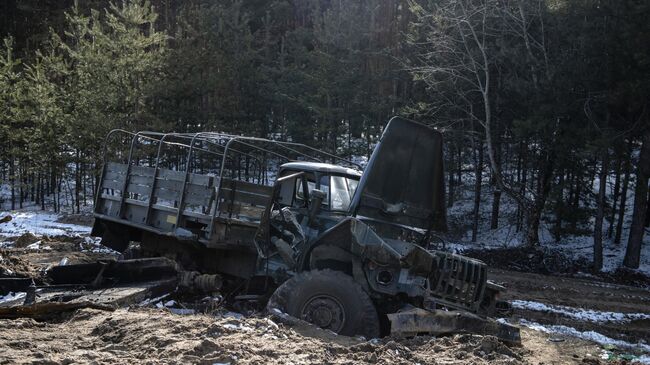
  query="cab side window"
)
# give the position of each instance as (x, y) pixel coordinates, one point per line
(325, 188)
(300, 200)
(285, 197)
(339, 191)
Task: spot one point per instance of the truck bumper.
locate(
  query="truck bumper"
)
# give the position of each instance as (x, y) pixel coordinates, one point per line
(414, 321)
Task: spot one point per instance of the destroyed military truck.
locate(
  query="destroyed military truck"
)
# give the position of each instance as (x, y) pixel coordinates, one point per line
(303, 230)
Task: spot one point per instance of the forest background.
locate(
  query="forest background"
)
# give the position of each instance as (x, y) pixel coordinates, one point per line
(543, 103)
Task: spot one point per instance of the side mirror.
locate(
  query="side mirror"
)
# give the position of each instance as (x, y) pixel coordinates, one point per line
(316, 198)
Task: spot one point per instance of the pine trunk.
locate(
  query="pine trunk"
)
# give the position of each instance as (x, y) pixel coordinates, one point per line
(617, 190)
(621, 210)
(12, 176)
(450, 197)
(600, 212)
(494, 222)
(633, 251)
(477, 188)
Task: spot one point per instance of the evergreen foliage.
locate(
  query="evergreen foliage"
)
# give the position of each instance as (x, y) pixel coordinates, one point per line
(542, 99)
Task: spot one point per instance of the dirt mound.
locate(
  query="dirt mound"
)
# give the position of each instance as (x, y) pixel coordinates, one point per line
(146, 335)
(14, 266)
(57, 243)
(629, 277)
(25, 240)
(79, 219)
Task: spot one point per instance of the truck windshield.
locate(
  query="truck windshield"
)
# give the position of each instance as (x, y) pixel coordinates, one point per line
(339, 190)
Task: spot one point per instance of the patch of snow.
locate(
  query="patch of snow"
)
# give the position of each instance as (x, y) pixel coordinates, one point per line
(586, 335)
(12, 297)
(95, 246)
(182, 311)
(238, 327)
(34, 246)
(233, 315)
(580, 314)
(643, 359)
(271, 324)
(38, 223)
(170, 303)
(149, 301)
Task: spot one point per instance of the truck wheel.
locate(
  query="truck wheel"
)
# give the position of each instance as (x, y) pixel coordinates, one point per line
(330, 300)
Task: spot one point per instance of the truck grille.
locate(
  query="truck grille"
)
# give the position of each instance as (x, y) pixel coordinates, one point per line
(458, 281)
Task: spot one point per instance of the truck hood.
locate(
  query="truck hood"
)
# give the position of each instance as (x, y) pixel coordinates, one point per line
(403, 182)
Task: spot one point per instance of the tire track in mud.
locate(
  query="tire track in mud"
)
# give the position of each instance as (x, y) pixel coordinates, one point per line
(579, 294)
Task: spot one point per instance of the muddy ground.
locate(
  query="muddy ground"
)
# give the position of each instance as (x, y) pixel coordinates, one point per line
(152, 335)
(584, 293)
(157, 336)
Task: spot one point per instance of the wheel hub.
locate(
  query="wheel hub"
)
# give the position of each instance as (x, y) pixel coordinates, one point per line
(325, 312)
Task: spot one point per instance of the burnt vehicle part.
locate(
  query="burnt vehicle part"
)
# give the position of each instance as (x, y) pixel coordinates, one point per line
(414, 321)
(209, 202)
(101, 285)
(105, 285)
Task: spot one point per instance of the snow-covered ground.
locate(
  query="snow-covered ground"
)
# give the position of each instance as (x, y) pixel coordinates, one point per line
(575, 247)
(11, 297)
(593, 336)
(580, 314)
(38, 223)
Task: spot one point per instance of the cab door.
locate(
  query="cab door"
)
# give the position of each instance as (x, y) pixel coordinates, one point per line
(282, 227)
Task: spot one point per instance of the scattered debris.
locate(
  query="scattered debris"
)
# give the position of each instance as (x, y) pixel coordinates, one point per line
(416, 320)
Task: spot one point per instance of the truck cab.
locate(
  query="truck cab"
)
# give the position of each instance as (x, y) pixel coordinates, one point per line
(336, 184)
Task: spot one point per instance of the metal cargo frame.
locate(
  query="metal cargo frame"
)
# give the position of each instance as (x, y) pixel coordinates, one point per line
(214, 193)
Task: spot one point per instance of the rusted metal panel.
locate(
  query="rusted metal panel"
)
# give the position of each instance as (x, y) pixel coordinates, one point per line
(111, 175)
(203, 180)
(400, 187)
(161, 193)
(171, 175)
(169, 184)
(245, 197)
(138, 189)
(142, 171)
(116, 167)
(200, 200)
(141, 180)
(247, 186)
(112, 184)
(416, 321)
(200, 190)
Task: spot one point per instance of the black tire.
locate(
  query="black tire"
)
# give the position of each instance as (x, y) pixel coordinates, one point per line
(330, 300)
